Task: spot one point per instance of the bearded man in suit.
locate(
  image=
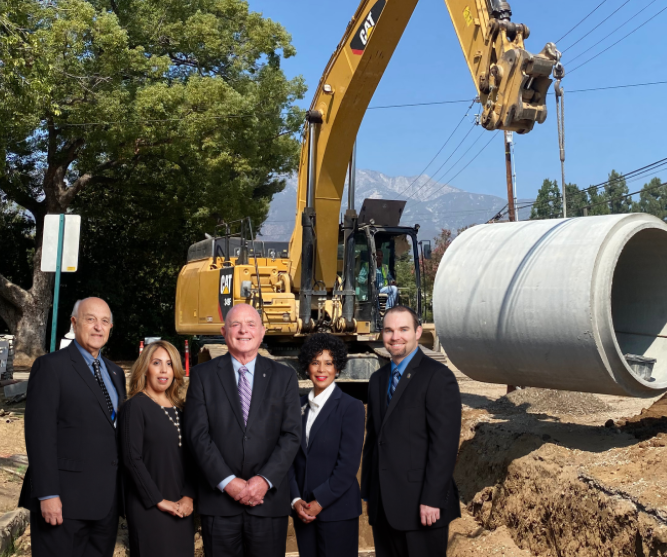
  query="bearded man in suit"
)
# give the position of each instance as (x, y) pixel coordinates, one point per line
(243, 425)
(72, 484)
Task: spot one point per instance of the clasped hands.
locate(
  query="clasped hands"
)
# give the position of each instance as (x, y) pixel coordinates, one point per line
(181, 508)
(307, 512)
(249, 492)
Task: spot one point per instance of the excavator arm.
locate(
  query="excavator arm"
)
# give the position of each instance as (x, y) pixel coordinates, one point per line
(511, 83)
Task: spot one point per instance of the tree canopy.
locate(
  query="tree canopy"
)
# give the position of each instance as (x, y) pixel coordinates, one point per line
(159, 117)
(548, 204)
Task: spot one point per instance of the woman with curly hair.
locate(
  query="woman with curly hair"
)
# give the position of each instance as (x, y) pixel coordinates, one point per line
(325, 494)
(158, 474)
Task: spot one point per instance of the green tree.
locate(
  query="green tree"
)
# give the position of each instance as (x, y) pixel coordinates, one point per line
(617, 191)
(652, 199)
(182, 106)
(599, 202)
(548, 204)
(576, 200)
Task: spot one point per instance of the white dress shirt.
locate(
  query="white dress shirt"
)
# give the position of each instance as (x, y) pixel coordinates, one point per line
(316, 403)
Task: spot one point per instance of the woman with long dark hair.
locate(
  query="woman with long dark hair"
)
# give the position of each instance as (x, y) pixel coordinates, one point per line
(325, 493)
(158, 489)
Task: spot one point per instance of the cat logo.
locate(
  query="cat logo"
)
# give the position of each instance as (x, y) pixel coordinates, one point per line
(363, 33)
(226, 292)
(225, 284)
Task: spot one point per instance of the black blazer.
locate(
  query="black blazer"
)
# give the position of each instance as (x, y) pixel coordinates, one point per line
(326, 469)
(412, 444)
(71, 440)
(222, 446)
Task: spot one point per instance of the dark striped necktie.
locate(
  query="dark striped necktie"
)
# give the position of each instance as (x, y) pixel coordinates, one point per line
(395, 378)
(100, 381)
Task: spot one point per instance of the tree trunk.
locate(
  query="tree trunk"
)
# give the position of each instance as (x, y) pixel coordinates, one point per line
(26, 311)
(30, 334)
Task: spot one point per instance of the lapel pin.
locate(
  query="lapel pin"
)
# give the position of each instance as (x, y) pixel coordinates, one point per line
(264, 375)
(408, 376)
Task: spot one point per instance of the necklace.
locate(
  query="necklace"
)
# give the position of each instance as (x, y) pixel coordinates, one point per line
(177, 422)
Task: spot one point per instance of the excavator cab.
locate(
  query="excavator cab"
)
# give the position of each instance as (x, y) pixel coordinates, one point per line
(385, 273)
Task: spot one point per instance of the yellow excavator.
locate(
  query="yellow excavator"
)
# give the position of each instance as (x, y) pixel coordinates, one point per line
(322, 280)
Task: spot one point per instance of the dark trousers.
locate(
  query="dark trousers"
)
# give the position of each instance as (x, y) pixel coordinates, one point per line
(244, 535)
(75, 538)
(327, 539)
(428, 542)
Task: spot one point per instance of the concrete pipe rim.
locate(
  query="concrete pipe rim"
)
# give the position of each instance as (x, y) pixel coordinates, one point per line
(635, 244)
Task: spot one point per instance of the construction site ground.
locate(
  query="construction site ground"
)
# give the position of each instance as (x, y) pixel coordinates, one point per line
(543, 473)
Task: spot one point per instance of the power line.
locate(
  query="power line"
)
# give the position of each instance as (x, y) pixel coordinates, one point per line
(472, 160)
(617, 87)
(546, 203)
(160, 120)
(443, 164)
(441, 148)
(250, 115)
(612, 32)
(588, 90)
(444, 174)
(597, 26)
(584, 19)
(459, 101)
(629, 177)
(625, 196)
(618, 41)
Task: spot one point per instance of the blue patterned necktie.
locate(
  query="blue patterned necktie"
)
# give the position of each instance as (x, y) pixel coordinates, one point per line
(395, 378)
(245, 393)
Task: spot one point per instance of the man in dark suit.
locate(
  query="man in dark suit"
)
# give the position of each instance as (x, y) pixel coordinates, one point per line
(71, 486)
(412, 439)
(243, 425)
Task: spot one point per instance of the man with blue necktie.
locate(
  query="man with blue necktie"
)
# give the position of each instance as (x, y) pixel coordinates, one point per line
(72, 484)
(243, 425)
(412, 438)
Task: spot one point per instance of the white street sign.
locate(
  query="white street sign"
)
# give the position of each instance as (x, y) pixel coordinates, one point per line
(70, 257)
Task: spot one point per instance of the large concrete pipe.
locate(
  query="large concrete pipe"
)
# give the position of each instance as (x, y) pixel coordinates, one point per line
(564, 304)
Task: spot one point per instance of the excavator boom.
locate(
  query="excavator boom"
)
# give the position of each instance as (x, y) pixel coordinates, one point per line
(331, 277)
(511, 83)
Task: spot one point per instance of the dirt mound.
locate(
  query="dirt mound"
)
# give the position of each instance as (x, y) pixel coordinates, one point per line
(565, 489)
(649, 423)
(548, 401)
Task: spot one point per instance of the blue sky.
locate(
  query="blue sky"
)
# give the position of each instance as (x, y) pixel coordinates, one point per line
(620, 129)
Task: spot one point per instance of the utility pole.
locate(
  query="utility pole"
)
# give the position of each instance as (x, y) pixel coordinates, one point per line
(510, 179)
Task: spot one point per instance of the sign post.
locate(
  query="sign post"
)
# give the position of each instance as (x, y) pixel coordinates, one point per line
(56, 288)
(60, 254)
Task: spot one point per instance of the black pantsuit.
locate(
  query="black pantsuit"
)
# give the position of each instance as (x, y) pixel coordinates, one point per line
(325, 469)
(409, 457)
(328, 539)
(223, 445)
(156, 468)
(73, 453)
